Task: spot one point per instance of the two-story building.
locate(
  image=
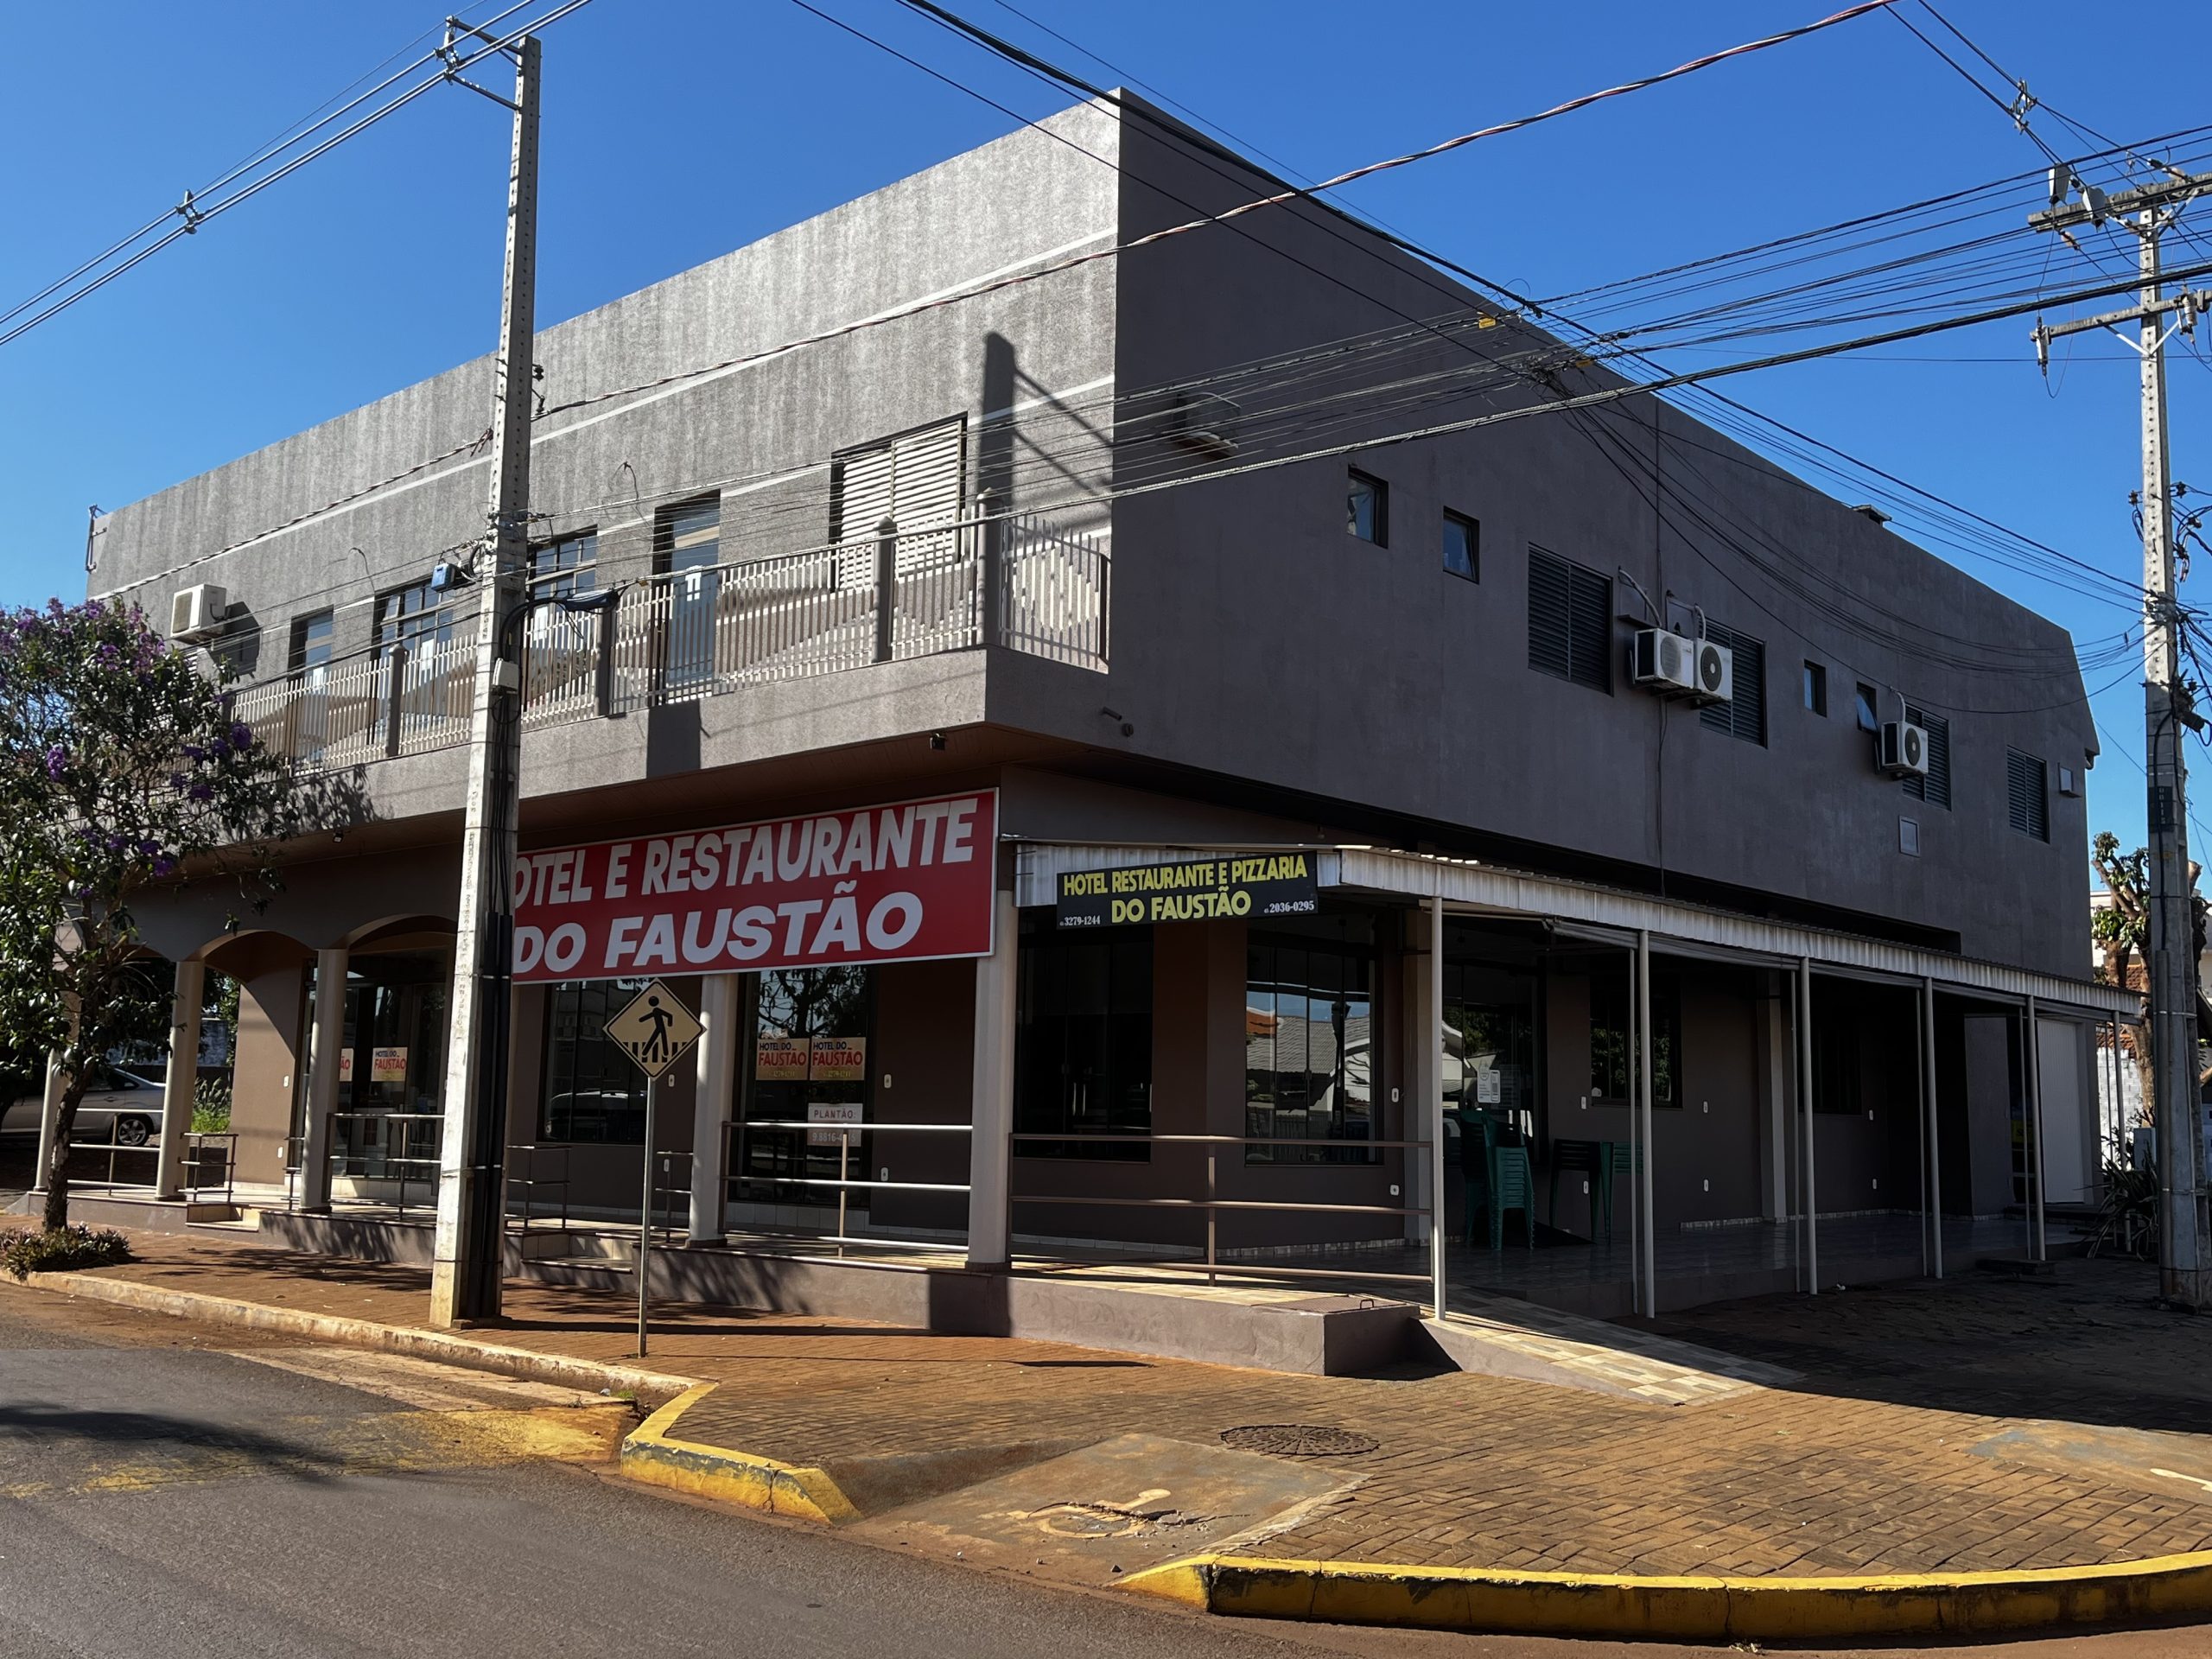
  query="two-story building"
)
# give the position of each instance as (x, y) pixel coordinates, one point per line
(1048, 716)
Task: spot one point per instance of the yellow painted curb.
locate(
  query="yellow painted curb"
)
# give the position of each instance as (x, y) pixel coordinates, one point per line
(449, 1347)
(2164, 1588)
(651, 1455)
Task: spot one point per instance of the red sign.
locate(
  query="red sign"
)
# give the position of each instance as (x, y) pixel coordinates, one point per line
(900, 883)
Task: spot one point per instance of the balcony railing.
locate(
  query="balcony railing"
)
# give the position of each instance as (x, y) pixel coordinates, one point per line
(1021, 581)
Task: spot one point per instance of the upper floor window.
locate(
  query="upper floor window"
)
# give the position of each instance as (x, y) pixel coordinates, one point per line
(570, 566)
(914, 480)
(1463, 546)
(1816, 687)
(1863, 707)
(688, 536)
(414, 617)
(1745, 714)
(1570, 620)
(2027, 787)
(314, 641)
(1368, 508)
(1935, 787)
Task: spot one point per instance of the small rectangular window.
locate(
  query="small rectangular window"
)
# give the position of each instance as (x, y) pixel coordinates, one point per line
(1864, 709)
(313, 638)
(1462, 547)
(558, 569)
(2027, 786)
(1368, 503)
(1816, 687)
(1570, 620)
(1935, 787)
(1745, 714)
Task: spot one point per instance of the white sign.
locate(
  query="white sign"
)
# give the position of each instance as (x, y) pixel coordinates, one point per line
(833, 1113)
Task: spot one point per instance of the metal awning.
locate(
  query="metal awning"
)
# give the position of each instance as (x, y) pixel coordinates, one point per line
(1475, 888)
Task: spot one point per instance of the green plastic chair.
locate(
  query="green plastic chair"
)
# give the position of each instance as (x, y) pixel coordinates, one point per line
(1499, 1179)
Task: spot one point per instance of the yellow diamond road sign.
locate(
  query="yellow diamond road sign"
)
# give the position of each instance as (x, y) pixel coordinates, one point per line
(656, 1030)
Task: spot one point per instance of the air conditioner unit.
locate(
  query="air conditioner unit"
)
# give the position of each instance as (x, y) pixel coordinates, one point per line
(1716, 673)
(1205, 421)
(197, 613)
(1665, 662)
(1900, 749)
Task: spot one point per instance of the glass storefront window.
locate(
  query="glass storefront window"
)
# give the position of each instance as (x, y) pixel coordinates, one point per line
(1308, 1058)
(1611, 1074)
(811, 1045)
(1083, 1043)
(592, 1092)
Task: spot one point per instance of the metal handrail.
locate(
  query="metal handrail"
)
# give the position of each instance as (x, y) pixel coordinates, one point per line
(1213, 1204)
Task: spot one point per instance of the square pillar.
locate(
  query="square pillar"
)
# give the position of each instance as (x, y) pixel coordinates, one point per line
(989, 1152)
(49, 1117)
(322, 1078)
(1424, 1090)
(182, 1077)
(719, 1044)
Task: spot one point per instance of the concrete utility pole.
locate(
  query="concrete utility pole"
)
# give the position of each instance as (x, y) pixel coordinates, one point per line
(466, 1276)
(2185, 1241)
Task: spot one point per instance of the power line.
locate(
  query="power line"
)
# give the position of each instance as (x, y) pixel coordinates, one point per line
(193, 213)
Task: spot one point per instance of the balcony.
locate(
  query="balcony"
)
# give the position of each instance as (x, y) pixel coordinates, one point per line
(1023, 583)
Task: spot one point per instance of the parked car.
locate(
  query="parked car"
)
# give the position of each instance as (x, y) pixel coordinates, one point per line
(124, 1106)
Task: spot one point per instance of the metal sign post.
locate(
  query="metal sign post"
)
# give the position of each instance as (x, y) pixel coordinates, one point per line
(655, 1030)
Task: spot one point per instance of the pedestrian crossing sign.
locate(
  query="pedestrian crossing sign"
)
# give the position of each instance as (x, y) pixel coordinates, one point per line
(656, 1030)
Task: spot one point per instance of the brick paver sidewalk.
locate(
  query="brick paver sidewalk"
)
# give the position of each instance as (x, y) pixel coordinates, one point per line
(1882, 1459)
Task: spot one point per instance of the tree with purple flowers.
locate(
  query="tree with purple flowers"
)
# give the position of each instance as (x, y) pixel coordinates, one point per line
(121, 771)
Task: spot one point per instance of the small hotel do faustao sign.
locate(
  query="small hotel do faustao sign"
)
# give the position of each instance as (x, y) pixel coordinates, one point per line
(1189, 890)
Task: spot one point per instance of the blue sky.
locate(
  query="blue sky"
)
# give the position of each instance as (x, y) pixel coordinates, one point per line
(676, 130)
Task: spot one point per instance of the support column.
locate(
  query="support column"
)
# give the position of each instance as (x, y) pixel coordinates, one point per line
(49, 1117)
(2031, 1110)
(182, 1077)
(990, 1165)
(1432, 1098)
(328, 1040)
(720, 999)
(1805, 1114)
(1932, 1120)
(1646, 1186)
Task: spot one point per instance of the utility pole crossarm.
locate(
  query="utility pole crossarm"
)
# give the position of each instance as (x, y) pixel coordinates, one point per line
(2095, 206)
(2189, 305)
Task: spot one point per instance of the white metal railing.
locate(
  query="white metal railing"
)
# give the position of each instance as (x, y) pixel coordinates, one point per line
(1022, 581)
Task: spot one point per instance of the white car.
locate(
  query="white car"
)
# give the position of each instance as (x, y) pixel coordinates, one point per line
(123, 1106)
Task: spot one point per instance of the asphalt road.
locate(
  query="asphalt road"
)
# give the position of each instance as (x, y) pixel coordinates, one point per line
(167, 1490)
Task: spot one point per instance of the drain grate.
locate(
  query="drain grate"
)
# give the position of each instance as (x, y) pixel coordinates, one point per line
(1298, 1440)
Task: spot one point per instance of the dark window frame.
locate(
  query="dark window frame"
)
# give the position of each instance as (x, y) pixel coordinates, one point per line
(2027, 794)
(1815, 684)
(300, 654)
(567, 573)
(1051, 1040)
(1474, 532)
(1379, 496)
(1276, 953)
(1744, 716)
(1570, 620)
(607, 1065)
(1610, 1021)
(1935, 788)
(1867, 707)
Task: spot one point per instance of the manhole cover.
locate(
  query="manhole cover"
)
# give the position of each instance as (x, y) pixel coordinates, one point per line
(1298, 1440)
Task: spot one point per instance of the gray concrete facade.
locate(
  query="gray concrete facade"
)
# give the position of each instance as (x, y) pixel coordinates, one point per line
(1270, 676)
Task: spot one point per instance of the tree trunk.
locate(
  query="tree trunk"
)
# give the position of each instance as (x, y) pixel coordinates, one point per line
(57, 1169)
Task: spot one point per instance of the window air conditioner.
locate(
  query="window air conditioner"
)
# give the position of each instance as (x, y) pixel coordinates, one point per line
(1900, 749)
(197, 613)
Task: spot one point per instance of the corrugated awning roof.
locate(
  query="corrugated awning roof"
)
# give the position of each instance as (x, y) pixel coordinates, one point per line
(1488, 889)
